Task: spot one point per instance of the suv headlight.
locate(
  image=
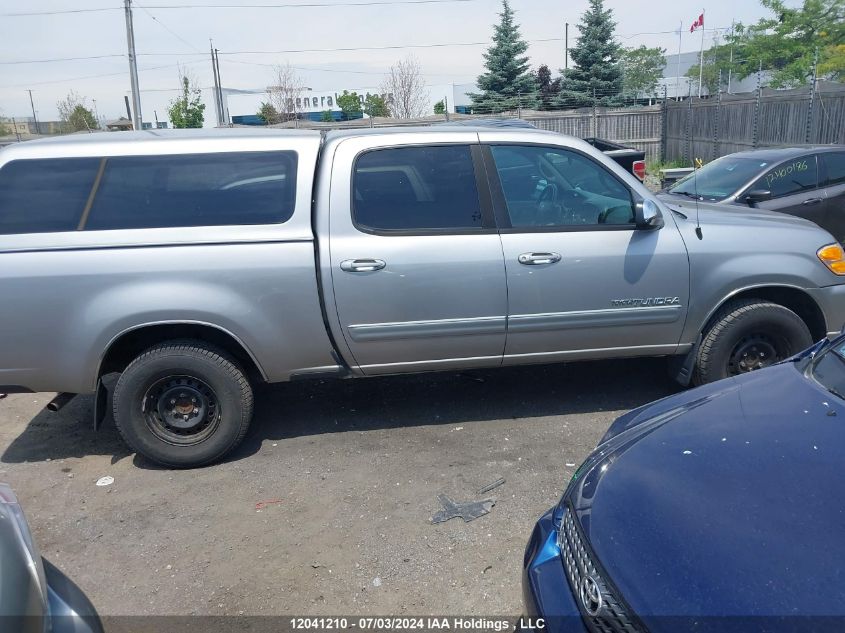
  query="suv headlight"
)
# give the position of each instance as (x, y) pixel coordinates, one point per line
(833, 257)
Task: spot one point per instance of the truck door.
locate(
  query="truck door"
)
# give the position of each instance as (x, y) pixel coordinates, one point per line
(416, 262)
(795, 189)
(582, 280)
(834, 181)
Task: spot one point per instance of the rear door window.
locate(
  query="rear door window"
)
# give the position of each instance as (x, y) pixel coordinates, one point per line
(45, 195)
(790, 177)
(163, 191)
(416, 188)
(834, 167)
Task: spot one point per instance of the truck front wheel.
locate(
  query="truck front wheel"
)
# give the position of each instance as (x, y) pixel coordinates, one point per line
(746, 335)
(183, 404)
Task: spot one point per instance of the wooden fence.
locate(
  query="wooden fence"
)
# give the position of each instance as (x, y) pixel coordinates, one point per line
(715, 126)
(635, 127)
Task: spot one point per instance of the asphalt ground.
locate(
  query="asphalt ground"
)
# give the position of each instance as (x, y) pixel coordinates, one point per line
(326, 507)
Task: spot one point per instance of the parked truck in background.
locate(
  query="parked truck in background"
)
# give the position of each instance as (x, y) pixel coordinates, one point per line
(198, 263)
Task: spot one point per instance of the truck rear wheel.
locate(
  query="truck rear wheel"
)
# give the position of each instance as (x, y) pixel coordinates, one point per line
(183, 404)
(746, 335)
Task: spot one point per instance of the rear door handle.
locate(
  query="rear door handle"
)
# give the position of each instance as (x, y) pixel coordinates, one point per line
(362, 265)
(539, 259)
(811, 201)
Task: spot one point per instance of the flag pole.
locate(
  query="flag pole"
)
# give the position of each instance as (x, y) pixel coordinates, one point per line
(701, 57)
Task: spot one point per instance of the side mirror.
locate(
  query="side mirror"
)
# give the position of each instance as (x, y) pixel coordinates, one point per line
(647, 216)
(757, 195)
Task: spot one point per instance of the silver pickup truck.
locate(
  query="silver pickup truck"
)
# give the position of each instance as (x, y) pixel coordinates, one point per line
(198, 263)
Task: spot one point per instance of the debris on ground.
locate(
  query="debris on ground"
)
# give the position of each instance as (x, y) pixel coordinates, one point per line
(468, 511)
(492, 486)
(3, 395)
(376, 582)
(108, 480)
(263, 504)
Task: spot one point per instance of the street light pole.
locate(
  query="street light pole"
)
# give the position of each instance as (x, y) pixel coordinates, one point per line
(34, 118)
(133, 66)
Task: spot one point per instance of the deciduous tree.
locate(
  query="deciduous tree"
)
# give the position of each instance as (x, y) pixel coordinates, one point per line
(375, 105)
(285, 92)
(350, 105)
(405, 91)
(642, 67)
(546, 86)
(187, 110)
(74, 113)
(785, 42)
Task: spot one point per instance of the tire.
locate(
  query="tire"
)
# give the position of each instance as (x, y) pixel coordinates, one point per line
(183, 404)
(748, 334)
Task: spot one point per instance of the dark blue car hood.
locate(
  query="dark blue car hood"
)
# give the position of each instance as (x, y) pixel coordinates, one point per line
(732, 504)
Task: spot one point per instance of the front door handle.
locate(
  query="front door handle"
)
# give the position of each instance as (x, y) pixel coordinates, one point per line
(538, 259)
(811, 201)
(362, 265)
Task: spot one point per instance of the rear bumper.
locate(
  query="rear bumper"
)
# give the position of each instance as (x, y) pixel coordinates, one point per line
(549, 603)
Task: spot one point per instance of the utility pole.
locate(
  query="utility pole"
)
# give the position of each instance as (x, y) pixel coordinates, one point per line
(731, 66)
(566, 48)
(756, 127)
(216, 86)
(678, 77)
(701, 58)
(812, 97)
(220, 88)
(133, 66)
(446, 107)
(34, 118)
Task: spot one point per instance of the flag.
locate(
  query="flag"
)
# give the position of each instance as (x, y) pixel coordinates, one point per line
(699, 23)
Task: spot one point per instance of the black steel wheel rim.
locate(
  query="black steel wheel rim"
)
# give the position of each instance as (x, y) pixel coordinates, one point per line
(754, 352)
(182, 410)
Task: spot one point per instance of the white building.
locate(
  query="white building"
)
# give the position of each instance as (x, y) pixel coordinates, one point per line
(242, 106)
(679, 85)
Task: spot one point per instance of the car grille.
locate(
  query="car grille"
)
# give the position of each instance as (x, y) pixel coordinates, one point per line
(611, 616)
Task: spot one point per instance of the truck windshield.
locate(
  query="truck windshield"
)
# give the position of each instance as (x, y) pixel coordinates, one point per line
(720, 179)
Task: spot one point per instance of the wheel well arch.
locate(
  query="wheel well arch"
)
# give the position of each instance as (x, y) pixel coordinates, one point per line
(127, 345)
(792, 298)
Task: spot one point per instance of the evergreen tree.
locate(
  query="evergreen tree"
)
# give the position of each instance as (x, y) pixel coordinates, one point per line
(507, 84)
(596, 56)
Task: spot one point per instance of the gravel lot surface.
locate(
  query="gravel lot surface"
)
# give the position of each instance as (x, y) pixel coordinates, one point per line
(352, 469)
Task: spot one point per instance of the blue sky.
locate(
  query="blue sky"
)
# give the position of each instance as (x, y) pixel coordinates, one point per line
(167, 37)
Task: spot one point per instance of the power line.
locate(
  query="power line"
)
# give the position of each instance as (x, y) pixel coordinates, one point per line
(308, 5)
(336, 70)
(310, 50)
(98, 76)
(168, 29)
(59, 59)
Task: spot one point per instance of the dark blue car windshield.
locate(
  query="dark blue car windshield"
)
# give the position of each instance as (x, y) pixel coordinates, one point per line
(721, 178)
(829, 369)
